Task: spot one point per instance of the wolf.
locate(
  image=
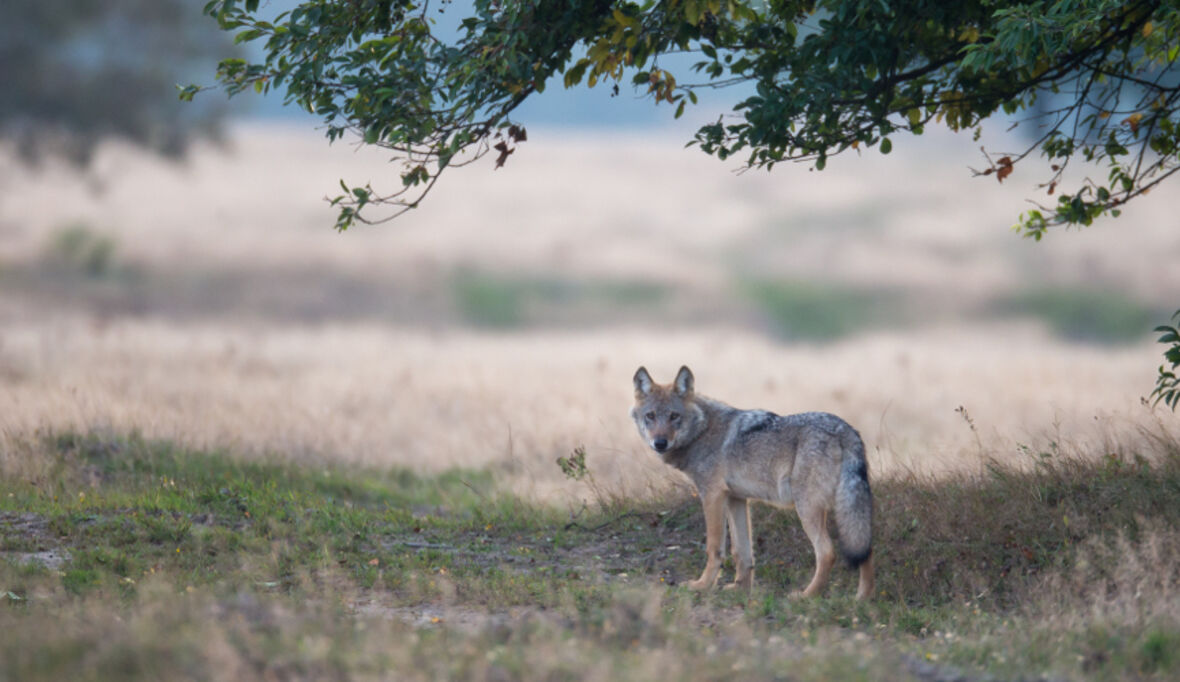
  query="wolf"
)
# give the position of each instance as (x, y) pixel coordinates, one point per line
(815, 461)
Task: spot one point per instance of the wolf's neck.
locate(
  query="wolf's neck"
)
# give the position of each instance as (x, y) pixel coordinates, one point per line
(716, 412)
(713, 412)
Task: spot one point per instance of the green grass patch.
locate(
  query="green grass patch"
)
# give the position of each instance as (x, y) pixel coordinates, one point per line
(127, 507)
(485, 301)
(180, 560)
(809, 311)
(505, 302)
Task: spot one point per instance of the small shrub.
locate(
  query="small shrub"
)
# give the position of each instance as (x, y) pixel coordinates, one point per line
(574, 466)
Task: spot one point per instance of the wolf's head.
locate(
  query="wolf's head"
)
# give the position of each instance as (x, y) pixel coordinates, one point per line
(668, 417)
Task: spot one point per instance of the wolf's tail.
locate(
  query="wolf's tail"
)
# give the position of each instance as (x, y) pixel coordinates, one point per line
(854, 502)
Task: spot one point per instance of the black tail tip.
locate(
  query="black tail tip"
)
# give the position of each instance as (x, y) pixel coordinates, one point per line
(856, 559)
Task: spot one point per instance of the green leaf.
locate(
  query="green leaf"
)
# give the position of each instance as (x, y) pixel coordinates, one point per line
(186, 93)
(247, 36)
(574, 75)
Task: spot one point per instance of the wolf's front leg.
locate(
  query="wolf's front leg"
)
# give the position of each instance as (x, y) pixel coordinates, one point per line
(714, 530)
(743, 551)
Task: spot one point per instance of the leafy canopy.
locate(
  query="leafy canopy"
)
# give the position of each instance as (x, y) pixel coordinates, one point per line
(1095, 80)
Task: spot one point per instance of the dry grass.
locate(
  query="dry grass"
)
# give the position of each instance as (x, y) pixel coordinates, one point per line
(357, 349)
(431, 401)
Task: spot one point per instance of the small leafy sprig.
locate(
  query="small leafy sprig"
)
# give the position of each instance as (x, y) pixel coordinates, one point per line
(1167, 384)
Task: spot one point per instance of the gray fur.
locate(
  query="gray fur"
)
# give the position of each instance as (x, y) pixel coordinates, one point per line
(813, 460)
(643, 382)
(684, 381)
(854, 505)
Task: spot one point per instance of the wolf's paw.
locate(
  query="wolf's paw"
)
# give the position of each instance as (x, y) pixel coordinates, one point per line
(698, 585)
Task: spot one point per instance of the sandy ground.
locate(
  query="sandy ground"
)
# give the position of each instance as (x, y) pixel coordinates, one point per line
(603, 207)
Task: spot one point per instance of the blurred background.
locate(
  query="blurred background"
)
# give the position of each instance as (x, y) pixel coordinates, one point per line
(171, 269)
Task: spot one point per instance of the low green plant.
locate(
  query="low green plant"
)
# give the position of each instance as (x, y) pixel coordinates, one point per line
(574, 466)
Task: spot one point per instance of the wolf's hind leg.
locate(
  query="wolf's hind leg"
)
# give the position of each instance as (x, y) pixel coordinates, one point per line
(815, 523)
(864, 588)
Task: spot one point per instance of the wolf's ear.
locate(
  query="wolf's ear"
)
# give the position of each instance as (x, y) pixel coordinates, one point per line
(684, 381)
(643, 382)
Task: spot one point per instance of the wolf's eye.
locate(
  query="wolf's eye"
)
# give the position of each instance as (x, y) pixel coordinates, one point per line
(674, 417)
(650, 416)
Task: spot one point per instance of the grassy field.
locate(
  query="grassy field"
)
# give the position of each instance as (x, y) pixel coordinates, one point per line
(131, 558)
(237, 445)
